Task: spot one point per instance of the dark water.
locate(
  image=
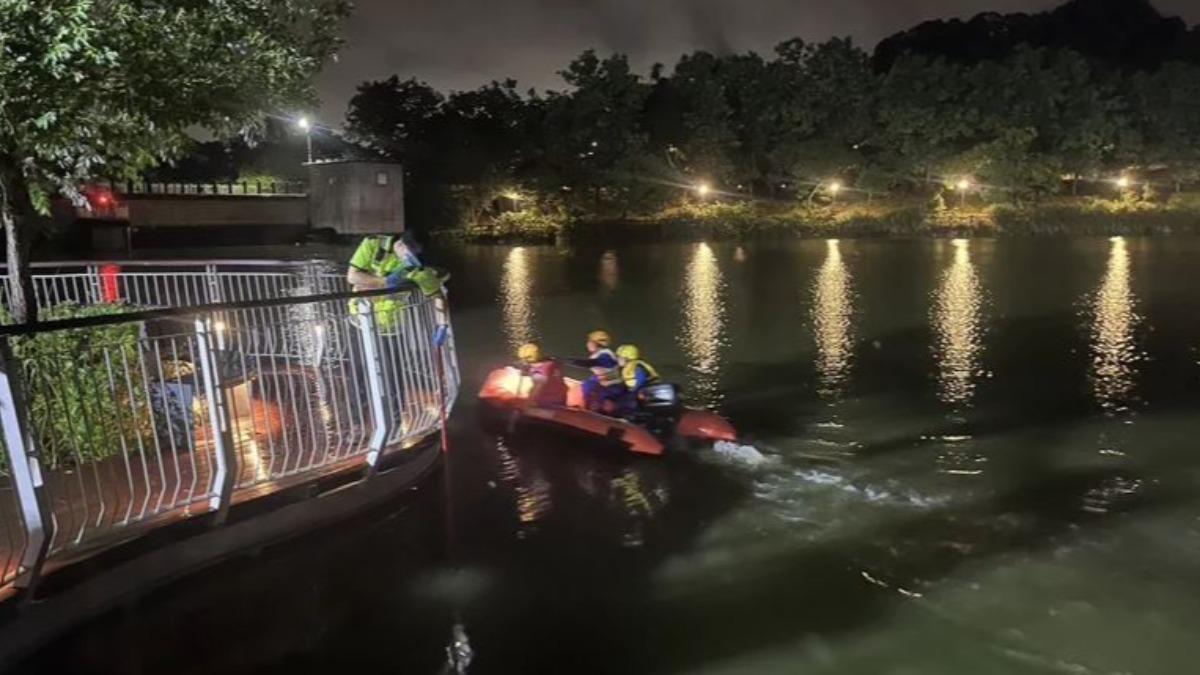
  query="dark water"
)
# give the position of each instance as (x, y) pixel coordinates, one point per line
(967, 457)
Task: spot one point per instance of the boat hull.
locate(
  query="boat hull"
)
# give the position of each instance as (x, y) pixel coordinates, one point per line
(508, 388)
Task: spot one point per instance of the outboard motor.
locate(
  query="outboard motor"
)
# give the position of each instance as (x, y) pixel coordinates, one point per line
(660, 399)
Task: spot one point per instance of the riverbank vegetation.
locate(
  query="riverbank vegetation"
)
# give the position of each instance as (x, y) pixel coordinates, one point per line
(1063, 215)
(1019, 133)
(92, 91)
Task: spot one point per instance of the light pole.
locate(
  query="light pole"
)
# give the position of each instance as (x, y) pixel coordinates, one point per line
(963, 185)
(834, 188)
(306, 127)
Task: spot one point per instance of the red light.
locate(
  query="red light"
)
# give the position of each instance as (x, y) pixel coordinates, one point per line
(102, 200)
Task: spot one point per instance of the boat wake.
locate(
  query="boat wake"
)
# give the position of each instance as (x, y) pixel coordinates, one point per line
(744, 455)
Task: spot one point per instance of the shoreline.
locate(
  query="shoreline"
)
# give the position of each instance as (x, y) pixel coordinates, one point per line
(742, 222)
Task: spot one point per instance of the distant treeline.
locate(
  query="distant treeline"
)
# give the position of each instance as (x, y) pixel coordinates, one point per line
(1021, 106)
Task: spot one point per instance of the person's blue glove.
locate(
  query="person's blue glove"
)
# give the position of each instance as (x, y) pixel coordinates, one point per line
(396, 279)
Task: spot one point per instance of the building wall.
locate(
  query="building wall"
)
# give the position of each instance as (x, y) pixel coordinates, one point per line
(356, 197)
(208, 210)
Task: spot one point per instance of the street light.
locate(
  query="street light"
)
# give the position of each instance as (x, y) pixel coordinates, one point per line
(703, 189)
(963, 186)
(1123, 182)
(834, 188)
(306, 126)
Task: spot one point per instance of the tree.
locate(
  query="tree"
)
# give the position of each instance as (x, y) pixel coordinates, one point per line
(923, 118)
(592, 139)
(828, 107)
(105, 89)
(397, 118)
(486, 138)
(705, 141)
(1164, 105)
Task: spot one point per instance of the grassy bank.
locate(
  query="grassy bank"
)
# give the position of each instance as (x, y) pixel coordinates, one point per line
(1179, 214)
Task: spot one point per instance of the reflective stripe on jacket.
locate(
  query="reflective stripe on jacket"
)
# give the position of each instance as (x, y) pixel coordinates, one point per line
(606, 375)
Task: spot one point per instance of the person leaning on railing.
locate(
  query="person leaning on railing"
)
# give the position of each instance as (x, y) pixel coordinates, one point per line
(390, 261)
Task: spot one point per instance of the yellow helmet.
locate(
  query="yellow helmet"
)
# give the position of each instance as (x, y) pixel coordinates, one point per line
(628, 352)
(529, 353)
(599, 337)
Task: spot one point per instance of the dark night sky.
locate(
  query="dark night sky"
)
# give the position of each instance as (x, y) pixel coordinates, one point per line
(460, 44)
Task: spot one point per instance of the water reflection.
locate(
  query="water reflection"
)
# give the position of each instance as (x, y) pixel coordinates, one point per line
(516, 298)
(609, 271)
(1114, 349)
(958, 322)
(832, 309)
(532, 490)
(629, 497)
(703, 331)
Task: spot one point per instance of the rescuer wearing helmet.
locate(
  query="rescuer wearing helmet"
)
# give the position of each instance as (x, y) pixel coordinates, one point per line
(635, 372)
(605, 382)
(548, 386)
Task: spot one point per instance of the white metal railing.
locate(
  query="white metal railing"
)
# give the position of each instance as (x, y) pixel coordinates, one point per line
(175, 283)
(126, 421)
(235, 188)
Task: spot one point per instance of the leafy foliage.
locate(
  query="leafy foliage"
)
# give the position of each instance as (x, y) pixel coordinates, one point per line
(1021, 122)
(81, 406)
(108, 88)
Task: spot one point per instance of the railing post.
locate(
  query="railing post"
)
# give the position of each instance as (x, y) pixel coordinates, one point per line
(96, 294)
(381, 417)
(215, 295)
(224, 452)
(26, 471)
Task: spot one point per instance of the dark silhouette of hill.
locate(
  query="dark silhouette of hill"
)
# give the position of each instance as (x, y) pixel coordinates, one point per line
(1124, 34)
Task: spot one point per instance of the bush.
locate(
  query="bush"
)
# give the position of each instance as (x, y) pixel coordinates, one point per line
(81, 406)
(526, 225)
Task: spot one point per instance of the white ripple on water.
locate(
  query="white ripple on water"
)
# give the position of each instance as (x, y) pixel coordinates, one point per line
(736, 453)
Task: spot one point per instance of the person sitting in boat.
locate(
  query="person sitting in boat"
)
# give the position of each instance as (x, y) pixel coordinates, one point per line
(635, 372)
(548, 386)
(604, 386)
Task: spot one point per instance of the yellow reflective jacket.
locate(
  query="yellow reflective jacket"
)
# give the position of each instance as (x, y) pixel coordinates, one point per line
(629, 373)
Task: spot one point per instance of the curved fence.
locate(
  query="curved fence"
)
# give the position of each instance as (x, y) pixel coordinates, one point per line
(138, 410)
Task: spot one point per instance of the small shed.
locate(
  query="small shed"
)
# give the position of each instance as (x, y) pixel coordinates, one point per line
(356, 197)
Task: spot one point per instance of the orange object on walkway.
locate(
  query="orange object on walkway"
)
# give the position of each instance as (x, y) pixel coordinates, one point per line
(110, 287)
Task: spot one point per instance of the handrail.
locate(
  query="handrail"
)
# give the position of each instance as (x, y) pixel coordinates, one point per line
(122, 422)
(247, 262)
(185, 312)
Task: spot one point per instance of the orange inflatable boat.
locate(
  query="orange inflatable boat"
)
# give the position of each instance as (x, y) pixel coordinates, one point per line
(507, 388)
